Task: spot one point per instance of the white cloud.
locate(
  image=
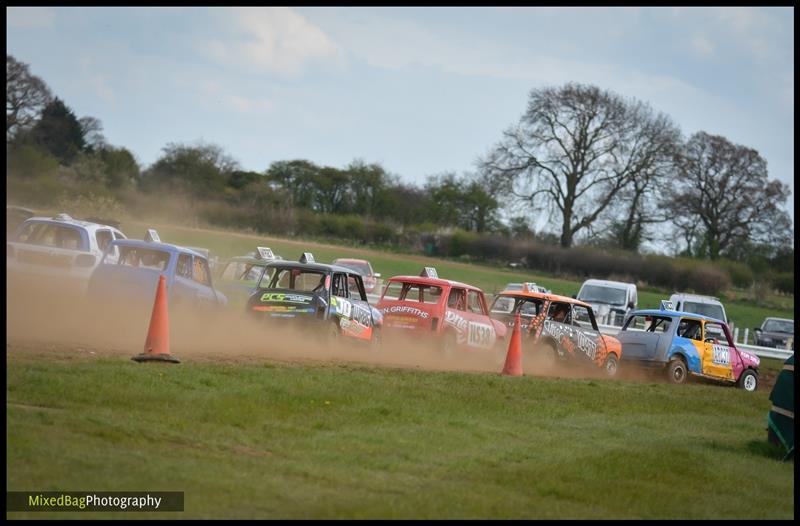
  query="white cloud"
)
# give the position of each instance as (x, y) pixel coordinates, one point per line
(272, 40)
(248, 105)
(30, 17)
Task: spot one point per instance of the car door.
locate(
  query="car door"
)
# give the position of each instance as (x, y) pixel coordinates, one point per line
(480, 330)
(717, 357)
(586, 336)
(361, 322)
(201, 282)
(183, 288)
(558, 325)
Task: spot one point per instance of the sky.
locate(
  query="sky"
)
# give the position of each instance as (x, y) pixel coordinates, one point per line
(422, 91)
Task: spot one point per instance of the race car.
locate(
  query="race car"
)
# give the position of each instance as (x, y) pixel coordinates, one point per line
(557, 329)
(239, 277)
(58, 252)
(686, 343)
(329, 298)
(132, 277)
(454, 315)
(363, 267)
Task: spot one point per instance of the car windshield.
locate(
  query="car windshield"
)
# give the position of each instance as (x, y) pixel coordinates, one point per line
(779, 326)
(706, 309)
(52, 235)
(294, 279)
(601, 294)
(361, 268)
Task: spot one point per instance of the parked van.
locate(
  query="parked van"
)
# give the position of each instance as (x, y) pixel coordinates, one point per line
(611, 301)
(705, 305)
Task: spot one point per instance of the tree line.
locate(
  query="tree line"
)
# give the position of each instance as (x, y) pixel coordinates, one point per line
(582, 166)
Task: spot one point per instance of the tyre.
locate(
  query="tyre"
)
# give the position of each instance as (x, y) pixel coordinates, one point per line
(749, 381)
(677, 373)
(611, 366)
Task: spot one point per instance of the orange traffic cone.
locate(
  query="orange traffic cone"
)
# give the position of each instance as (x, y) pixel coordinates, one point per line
(513, 366)
(156, 347)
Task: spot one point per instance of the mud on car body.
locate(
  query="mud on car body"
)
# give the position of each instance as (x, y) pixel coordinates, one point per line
(557, 328)
(684, 343)
(329, 296)
(454, 314)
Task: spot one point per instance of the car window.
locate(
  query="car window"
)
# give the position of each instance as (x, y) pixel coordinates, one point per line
(143, 258)
(52, 235)
(457, 299)
(339, 287)
(779, 326)
(200, 271)
(474, 303)
(706, 309)
(294, 279)
(581, 314)
(184, 266)
(104, 237)
(715, 332)
(691, 329)
(356, 287)
(559, 312)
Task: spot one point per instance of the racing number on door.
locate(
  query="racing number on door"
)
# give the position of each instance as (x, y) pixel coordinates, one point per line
(480, 335)
(721, 355)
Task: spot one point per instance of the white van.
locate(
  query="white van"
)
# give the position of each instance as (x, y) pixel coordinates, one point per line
(705, 305)
(611, 301)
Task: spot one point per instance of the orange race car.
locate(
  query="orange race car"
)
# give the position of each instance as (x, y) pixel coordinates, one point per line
(557, 328)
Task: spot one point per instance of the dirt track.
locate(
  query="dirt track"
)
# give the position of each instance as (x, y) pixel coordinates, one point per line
(58, 325)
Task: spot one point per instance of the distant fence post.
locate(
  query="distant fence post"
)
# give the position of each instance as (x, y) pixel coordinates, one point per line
(736, 335)
(746, 330)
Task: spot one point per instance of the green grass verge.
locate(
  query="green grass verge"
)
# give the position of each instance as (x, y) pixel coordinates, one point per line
(276, 440)
(490, 279)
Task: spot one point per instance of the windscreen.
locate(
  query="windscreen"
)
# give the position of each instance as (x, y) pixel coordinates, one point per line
(301, 280)
(706, 309)
(361, 268)
(779, 326)
(601, 294)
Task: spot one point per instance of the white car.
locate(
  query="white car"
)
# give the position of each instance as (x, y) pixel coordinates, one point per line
(705, 305)
(611, 301)
(58, 249)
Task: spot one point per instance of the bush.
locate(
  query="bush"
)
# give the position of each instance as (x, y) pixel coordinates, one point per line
(784, 282)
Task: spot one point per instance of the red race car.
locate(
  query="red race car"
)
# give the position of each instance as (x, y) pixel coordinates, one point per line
(454, 313)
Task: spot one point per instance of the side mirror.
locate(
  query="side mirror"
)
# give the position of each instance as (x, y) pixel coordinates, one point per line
(757, 329)
(631, 305)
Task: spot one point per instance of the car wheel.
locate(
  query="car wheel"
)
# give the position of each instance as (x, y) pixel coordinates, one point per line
(749, 380)
(611, 366)
(676, 371)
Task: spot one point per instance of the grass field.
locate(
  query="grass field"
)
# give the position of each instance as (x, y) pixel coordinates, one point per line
(744, 313)
(271, 439)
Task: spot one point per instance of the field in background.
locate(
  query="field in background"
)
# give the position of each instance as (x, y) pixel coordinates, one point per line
(743, 313)
(271, 439)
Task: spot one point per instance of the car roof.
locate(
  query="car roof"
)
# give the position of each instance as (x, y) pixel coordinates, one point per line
(674, 314)
(66, 220)
(778, 319)
(434, 281)
(697, 297)
(544, 296)
(618, 284)
(352, 260)
(139, 243)
(250, 259)
(319, 267)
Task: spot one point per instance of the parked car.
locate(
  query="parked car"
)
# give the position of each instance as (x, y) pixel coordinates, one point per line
(686, 343)
(557, 329)
(363, 267)
(132, 278)
(329, 298)
(699, 304)
(239, 277)
(59, 251)
(775, 332)
(611, 301)
(453, 315)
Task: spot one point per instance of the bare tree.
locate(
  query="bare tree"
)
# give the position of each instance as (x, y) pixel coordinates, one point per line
(92, 133)
(722, 198)
(574, 150)
(26, 97)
